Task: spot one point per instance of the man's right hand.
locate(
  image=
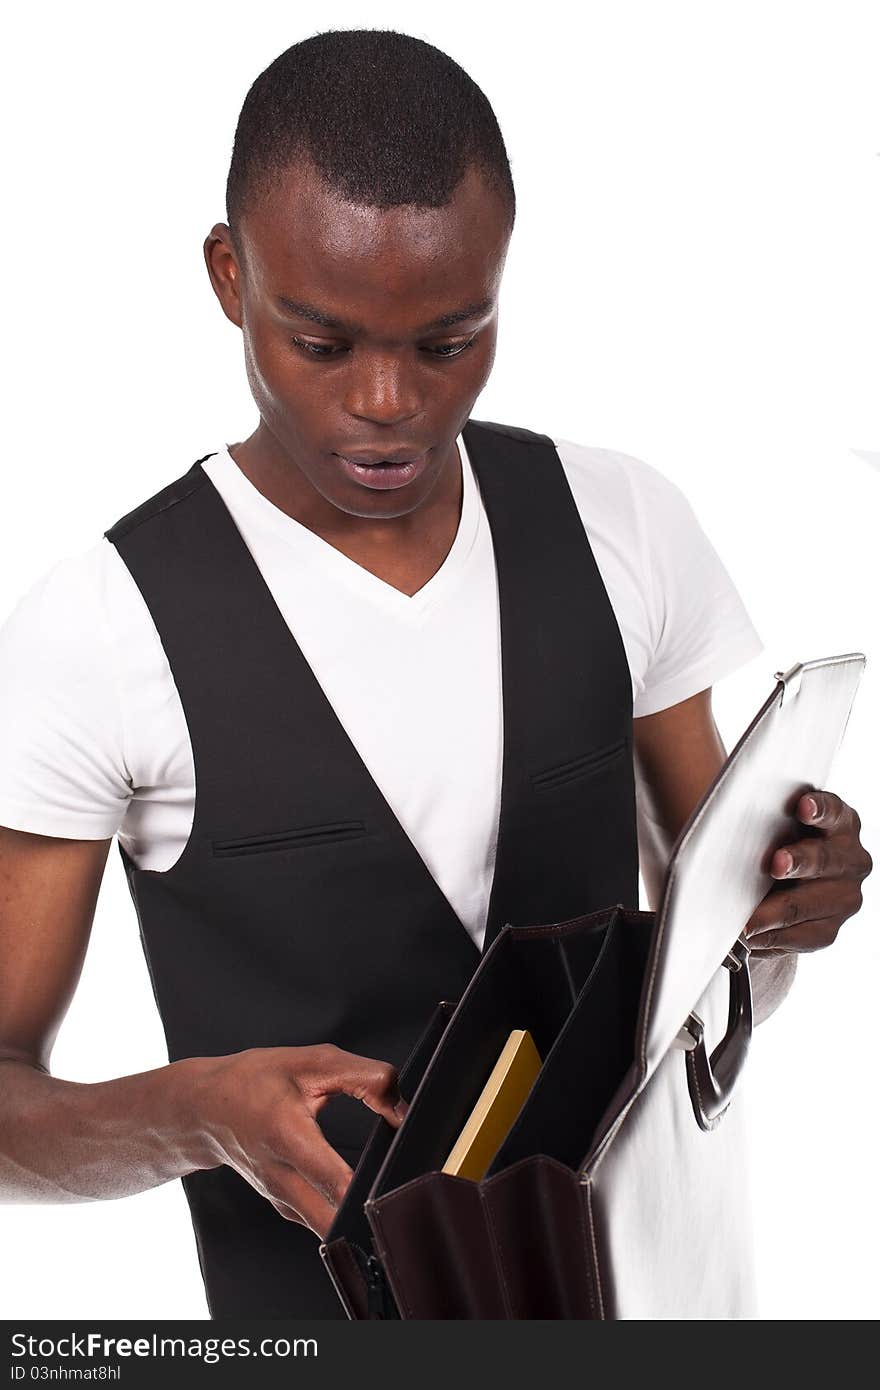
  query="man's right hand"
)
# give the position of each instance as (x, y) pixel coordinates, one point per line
(68, 1141)
(258, 1110)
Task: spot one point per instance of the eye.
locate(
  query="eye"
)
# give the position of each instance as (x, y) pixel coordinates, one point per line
(325, 350)
(315, 349)
(452, 349)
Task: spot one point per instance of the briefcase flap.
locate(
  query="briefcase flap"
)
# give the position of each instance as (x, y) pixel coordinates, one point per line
(718, 870)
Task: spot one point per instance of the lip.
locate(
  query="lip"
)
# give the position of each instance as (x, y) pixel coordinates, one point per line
(368, 457)
(383, 475)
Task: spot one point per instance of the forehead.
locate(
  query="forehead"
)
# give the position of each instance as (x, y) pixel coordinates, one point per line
(304, 241)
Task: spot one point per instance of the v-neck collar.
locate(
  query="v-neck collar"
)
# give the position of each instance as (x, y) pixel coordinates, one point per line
(553, 703)
(241, 495)
(383, 806)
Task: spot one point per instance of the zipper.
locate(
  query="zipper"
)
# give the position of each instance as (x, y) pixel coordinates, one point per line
(380, 1304)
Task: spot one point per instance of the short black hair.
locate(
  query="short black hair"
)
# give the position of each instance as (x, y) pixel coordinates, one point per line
(387, 119)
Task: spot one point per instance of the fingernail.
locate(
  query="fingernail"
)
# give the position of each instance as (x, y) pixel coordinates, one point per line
(812, 808)
(787, 863)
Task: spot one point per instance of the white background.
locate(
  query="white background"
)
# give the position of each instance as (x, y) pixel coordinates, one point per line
(692, 279)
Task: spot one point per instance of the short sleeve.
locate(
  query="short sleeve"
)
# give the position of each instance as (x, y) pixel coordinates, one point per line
(700, 628)
(62, 769)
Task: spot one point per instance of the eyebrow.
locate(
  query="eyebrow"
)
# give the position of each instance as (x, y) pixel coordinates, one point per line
(309, 311)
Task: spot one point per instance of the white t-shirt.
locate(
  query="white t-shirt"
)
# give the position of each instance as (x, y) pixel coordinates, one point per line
(93, 739)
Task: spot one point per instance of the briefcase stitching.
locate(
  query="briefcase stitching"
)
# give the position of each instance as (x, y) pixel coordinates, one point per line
(594, 1290)
(696, 817)
(390, 1268)
(589, 1187)
(571, 924)
(498, 1255)
(691, 1066)
(586, 1243)
(342, 1255)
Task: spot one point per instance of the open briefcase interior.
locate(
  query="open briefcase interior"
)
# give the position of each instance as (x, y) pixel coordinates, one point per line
(620, 1004)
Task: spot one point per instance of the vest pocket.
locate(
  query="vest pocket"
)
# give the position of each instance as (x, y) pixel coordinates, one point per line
(584, 765)
(291, 839)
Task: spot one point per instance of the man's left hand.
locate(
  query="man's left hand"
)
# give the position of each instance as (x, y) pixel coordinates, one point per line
(820, 881)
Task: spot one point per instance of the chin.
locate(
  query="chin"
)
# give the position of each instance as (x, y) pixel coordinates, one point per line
(380, 493)
(367, 502)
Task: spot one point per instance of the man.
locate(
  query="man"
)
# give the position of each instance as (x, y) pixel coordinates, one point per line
(353, 692)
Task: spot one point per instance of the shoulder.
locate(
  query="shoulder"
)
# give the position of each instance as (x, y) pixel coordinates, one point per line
(628, 505)
(682, 618)
(62, 764)
(608, 480)
(177, 491)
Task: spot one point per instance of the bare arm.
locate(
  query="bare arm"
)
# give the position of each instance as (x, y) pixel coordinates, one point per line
(65, 1141)
(678, 752)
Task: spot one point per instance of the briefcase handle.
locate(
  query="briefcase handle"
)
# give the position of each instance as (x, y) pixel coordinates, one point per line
(711, 1080)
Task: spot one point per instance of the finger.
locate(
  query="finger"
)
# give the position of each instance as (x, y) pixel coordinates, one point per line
(368, 1079)
(832, 812)
(283, 1208)
(291, 1196)
(814, 858)
(786, 905)
(286, 1211)
(300, 1145)
(290, 1192)
(806, 936)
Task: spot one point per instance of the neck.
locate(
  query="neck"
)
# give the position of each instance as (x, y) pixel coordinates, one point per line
(404, 551)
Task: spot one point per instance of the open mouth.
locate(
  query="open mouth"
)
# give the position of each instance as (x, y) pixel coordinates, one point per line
(383, 474)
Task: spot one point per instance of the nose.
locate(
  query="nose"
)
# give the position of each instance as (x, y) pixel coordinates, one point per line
(383, 391)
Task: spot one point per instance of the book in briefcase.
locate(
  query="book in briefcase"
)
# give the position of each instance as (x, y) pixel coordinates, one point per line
(619, 1190)
(498, 1105)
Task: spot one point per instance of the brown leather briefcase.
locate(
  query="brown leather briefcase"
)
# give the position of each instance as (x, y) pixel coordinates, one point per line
(621, 1189)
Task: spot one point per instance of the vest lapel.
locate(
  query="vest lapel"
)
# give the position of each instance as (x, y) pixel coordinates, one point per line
(567, 837)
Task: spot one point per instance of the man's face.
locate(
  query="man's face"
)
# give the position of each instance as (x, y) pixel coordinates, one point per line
(387, 382)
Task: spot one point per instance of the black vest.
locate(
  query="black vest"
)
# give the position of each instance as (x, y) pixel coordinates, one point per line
(299, 910)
